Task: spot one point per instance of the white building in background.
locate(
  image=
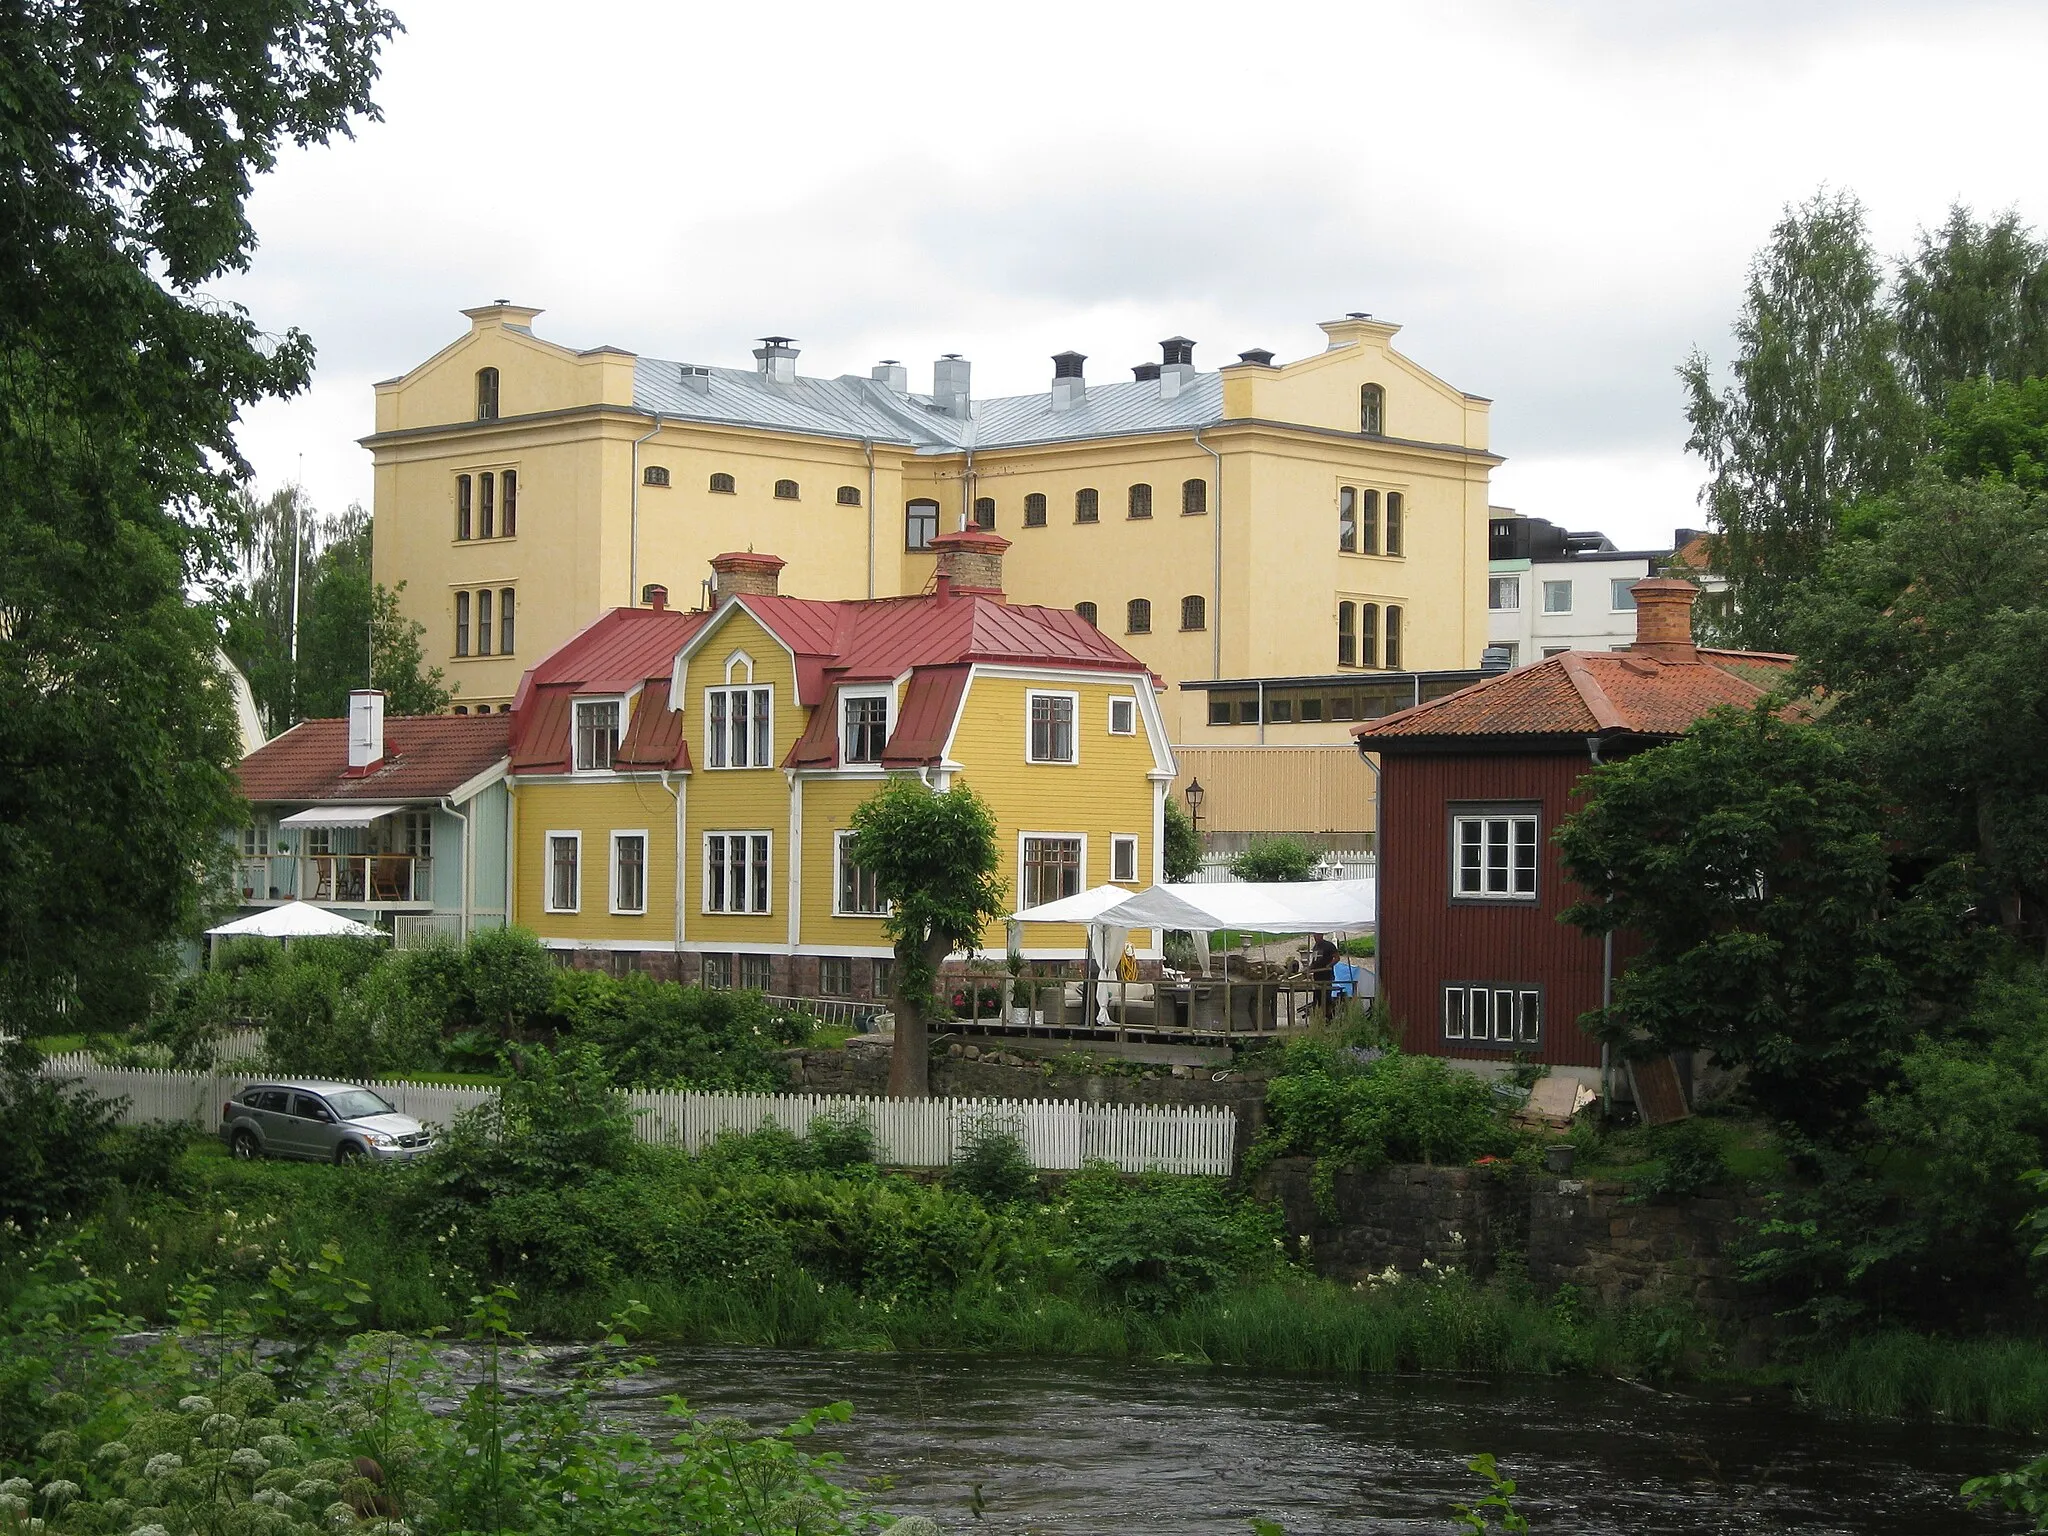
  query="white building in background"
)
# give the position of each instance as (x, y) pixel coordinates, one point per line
(1549, 591)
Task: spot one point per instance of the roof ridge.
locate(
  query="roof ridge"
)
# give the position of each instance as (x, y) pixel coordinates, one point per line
(1605, 715)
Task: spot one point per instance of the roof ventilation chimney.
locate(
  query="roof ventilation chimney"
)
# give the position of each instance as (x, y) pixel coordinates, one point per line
(696, 380)
(892, 374)
(1176, 366)
(777, 357)
(655, 596)
(1664, 619)
(745, 574)
(365, 729)
(1068, 384)
(1258, 357)
(971, 561)
(1495, 660)
(1145, 373)
(949, 386)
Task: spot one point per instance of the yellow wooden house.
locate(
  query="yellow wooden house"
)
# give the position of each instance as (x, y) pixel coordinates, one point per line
(683, 781)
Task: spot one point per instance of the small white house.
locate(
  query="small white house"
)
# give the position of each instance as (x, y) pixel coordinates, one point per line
(1549, 591)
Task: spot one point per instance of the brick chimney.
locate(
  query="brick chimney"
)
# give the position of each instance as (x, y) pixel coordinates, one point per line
(1664, 619)
(746, 575)
(971, 560)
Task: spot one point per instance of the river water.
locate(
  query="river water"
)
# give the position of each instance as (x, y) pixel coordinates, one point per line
(1065, 1446)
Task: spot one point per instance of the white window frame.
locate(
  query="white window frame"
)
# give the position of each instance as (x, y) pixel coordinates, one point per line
(767, 880)
(721, 760)
(1618, 588)
(1509, 587)
(848, 696)
(1025, 839)
(1121, 843)
(1486, 819)
(256, 838)
(576, 707)
(617, 909)
(1073, 698)
(839, 864)
(1570, 596)
(1126, 705)
(1510, 1015)
(547, 871)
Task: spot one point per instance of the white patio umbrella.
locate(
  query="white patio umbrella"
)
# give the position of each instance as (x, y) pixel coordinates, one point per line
(295, 920)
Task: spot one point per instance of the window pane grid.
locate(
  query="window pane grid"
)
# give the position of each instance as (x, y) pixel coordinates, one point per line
(1495, 857)
(1052, 728)
(1052, 869)
(1500, 1015)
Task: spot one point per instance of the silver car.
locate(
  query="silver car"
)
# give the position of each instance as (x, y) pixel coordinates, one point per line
(320, 1122)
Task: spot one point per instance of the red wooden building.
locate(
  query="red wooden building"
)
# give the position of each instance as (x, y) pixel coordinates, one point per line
(1472, 958)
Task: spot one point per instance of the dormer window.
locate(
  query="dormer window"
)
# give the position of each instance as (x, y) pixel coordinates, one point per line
(597, 734)
(866, 717)
(785, 490)
(1372, 410)
(654, 474)
(487, 394)
(739, 730)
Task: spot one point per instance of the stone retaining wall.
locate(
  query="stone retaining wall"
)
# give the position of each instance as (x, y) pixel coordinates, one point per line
(1581, 1232)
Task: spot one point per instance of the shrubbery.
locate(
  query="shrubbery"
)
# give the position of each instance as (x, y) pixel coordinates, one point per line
(1395, 1109)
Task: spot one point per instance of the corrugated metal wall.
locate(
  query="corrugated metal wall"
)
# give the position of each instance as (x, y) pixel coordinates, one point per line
(1279, 789)
(1425, 940)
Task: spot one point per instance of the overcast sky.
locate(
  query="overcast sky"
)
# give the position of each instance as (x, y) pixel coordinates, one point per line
(1555, 200)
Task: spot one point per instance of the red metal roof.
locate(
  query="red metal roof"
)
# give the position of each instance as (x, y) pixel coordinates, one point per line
(1587, 693)
(425, 757)
(834, 643)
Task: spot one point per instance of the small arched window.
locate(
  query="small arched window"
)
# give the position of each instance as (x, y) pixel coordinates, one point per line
(487, 394)
(785, 490)
(654, 474)
(722, 484)
(1138, 616)
(1194, 612)
(984, 511)
(1141, 501)
(849, 496)
(1034, 510)
(1194, 498)
(1372, 410)
(920, 524)
(1347, 634)
(1395, 507)
(1087, 505)
(1368, 634)
(1086, 610)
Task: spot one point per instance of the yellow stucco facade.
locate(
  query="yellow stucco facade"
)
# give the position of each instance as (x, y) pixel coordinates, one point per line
(630, 471)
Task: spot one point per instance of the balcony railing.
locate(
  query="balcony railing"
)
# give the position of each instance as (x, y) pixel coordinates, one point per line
(354, 879)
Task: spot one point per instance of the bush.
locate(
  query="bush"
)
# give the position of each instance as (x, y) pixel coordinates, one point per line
(1155, 1241)
(1398, 1108)
(58, 1153)
(1689, 1161)
(510, 978)
(656, 1034)
(993, 1165)
(1275, 858)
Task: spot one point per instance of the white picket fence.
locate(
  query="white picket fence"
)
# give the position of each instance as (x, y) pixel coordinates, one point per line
(909, 1133)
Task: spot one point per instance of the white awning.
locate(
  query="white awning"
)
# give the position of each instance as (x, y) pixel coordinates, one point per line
(296, 920)
(1083, 907)
(338, 816)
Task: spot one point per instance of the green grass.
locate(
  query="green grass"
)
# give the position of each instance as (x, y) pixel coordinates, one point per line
(2002, 1383)
(60, 1045)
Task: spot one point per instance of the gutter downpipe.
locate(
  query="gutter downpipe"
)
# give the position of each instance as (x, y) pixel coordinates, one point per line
(1379, 879)
(1216, 584)
(867, 445)
(676, 794)
(468, 861)
(633, 533)
(1606, 977)
(967, 492)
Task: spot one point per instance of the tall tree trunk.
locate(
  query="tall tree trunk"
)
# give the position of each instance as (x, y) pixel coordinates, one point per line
(910, 1062)
(1987, 852)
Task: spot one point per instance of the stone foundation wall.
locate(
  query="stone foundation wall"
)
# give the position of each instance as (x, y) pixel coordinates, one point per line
(1581, 1232)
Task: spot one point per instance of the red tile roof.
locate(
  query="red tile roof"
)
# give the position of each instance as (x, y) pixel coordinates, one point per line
(935, 639)
(1589, 693)
(425, 757)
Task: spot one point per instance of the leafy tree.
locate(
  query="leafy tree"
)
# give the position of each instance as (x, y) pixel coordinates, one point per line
(1995, 431)
(1183, 844)
(934, 858)
(1930, 642)
(131, 134)
(1275, 858)
(1972, 305)
(511, 978)
(1816, 418)
(1752, 859)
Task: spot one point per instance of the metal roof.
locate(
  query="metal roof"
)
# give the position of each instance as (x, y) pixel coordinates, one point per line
(853, 407)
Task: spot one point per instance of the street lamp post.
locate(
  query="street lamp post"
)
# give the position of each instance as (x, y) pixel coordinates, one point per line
(1196, 795)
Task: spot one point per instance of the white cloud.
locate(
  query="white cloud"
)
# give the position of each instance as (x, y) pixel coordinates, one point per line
(1557, 201)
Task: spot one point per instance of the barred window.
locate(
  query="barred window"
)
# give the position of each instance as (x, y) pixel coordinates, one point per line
(1194, 498)
(984, 511)
(1194, 611)
(654, 474)
(1141, 501)
(849, 496)
(722, 484)
(785, 490)
(757, 973)
(1138, 616)
(1034, 510)
(717, 972)
(1087, 505)
(1086, 610)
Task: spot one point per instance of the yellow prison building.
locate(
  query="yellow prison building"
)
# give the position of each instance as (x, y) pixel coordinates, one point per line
(1263, 537)
(682, 782)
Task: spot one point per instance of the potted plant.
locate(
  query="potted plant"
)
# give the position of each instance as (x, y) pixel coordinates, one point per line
(1019, 995)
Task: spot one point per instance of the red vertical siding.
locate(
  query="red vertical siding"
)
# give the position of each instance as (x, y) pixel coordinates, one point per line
(1426, 939)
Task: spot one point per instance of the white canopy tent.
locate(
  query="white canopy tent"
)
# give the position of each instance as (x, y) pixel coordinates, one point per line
(295, 920)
